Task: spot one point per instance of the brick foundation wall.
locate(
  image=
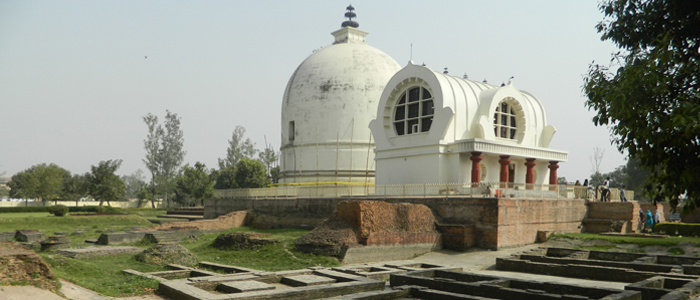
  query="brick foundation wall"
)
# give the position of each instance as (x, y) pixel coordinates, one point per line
(383, 223)
(496, 223)
(519, 220)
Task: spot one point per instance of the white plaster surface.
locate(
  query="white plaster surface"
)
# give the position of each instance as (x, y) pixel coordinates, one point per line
(331, 98)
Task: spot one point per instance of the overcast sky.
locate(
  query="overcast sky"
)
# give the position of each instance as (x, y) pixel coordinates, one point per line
(75, 81)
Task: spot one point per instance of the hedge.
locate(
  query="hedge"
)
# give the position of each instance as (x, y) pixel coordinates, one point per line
(683, 229)
(108, 209)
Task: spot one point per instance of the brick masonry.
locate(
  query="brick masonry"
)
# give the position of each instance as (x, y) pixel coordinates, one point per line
(490, 223)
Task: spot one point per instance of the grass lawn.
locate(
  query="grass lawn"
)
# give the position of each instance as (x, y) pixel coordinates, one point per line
(104, 274)
(25, 215)
(278, 257)
(50, 224)
(641, 241)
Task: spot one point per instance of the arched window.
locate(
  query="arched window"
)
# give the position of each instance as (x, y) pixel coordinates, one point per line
(414, 111)
(504, 121)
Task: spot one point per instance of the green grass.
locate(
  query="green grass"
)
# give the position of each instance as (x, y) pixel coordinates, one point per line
(641, 241)
(50, 224)
(676, 251)
(598, 247)
(25, 215)
(104, 274)
(281, 256)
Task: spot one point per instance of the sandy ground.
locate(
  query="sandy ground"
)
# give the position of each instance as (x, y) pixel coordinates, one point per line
(477, 261)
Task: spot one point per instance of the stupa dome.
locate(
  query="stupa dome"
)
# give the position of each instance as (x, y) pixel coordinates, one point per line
(327, 106)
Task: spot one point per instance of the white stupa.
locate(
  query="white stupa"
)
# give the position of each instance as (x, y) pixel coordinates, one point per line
(327, 106)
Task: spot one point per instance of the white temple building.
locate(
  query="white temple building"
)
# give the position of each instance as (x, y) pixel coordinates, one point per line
(435, 128)
(349, 109)
(328, 103)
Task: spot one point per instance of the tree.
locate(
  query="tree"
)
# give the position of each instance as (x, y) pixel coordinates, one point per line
(76, 187)
(561, 180)
(251, 174)
(596, 159)
(226, 179)
(636, 177)
(237, 149)
(164, 154)
(134, 183)
(194, 185)
(275, 174)
(649, 94)
(104, 184)
(42, 181)
(268, 157)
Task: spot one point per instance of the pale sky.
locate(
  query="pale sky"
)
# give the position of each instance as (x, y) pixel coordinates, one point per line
(75, 81)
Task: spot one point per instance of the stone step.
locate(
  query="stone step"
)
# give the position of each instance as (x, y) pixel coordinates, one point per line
(183, 217)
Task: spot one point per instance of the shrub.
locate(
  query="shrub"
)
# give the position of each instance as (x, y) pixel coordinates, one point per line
(58, 210)
(678, 229)
(48, 209)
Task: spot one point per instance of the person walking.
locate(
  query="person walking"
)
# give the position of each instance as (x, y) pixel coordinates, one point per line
(649, 221)
(623, 198)
(657, 217)
(605, 195)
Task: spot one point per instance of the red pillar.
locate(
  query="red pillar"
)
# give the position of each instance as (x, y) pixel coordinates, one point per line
(476, 168)
(505, 161)
(530, 174)
(553, 175)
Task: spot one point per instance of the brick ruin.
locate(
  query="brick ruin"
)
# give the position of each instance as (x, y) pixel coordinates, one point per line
(364, 231)
(463, 222)
(649, 276)
(654, 276)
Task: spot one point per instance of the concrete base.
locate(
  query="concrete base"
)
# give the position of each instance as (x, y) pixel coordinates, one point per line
(120, 238)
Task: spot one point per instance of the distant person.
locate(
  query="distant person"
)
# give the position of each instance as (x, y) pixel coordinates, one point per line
(641, 220)
(623, 198)
(657, 217)
(605, 195)
(649, 221)
(578, 183)
(585, 182)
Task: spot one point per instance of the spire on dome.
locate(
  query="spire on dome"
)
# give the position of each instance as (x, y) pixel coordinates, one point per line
(349, 32)
(350, 14)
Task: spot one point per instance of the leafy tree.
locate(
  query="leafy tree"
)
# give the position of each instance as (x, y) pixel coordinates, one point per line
(146, 193)
(238, 148)
(194, 185)
(164, 154)
(275, 174)
(226, 179)
(636, 177)
(134, 183)
(42, 181)
(104, 184)
(649, 94)
(268, 157)
(76, 187)
(251, 174)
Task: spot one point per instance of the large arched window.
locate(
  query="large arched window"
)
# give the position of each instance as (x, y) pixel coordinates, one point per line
(414, 111)
(505, 121)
